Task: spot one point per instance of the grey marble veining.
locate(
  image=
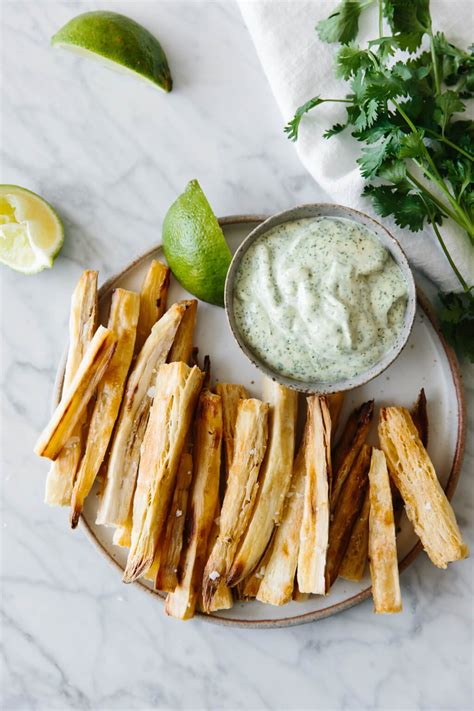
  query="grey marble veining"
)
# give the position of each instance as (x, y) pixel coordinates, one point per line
(111, 154)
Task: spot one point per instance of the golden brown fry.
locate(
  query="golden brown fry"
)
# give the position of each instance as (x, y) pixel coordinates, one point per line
(73, 404)
(223, 598)
(278, 580)
(426, 504)
(382, 542)
(347, 449)
(116, 502)
(203, 502)
(335, 402)
(251, 433)
(355, 559)
(123, 534)
(298, 596)
(274, 479)
(345, 515)
(182, 347)
(177, 390)
(123, 319)
(153, 298)
(315, 525)
(82, 326)
(231, 395)
(167, 578)
(419, 414)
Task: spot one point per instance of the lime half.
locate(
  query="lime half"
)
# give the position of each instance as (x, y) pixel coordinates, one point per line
(118, 42)
(31, 233)
(195, 246)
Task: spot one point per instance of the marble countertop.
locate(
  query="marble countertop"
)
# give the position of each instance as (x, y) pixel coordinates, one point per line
(112, 154)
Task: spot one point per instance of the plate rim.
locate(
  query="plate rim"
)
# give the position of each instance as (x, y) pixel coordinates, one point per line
(362, 595)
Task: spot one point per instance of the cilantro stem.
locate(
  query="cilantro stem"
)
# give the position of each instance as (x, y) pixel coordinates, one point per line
(435, 176)
(434, 60)
(442, 243)
(435, 200)
(449, 143)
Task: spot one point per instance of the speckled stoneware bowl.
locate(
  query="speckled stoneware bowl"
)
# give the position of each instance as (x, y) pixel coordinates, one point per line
(324, 210)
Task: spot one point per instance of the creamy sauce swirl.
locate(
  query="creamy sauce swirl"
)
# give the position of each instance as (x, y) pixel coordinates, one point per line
(319, 299)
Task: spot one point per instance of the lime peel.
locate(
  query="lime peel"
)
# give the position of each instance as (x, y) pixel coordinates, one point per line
(31, 233)
(195, 246)
(117, 42)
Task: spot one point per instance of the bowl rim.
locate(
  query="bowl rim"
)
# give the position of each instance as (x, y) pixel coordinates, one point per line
(384, 236)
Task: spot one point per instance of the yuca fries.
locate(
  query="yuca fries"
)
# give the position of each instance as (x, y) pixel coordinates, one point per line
(73, 404)
(349, 446)
(426, 504)
(419, 415)
(167, 578)
(116, 501)
(345, 514)
(382, 541)
(314, 531)
(251, 433)
(153, 298)
(182, 347)
(355, 559)
(177, 390)
(231, 395)
(274, 479)
(223, 598)
(122, 323)
(82, 326)
(335, 402)
(277, 584)
(203, 502)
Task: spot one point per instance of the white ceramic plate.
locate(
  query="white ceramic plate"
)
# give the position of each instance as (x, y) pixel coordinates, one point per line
(425, 362)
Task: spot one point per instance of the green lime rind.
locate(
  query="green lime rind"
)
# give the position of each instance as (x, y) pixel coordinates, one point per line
(18, 252)
(118, 39)
(195, 246)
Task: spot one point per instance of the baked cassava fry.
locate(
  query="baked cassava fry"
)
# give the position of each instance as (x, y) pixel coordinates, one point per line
(176, 392)
(153, 298)
(382, 541)
(314, 531)
(82, 326)
(223, 598)
(274, 479)
(167, 578)
(277, 584)
(122, 323)
(419, 414)
(203, 501)
(73, 404)
(349, 446)
(231, 394)
(426, 504)
(182, 347)
(251, 434)
(116, 502)
(355, 559)
(335, 402)
(346, 512)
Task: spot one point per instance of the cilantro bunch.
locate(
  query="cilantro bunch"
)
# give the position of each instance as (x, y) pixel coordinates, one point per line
(407, 116)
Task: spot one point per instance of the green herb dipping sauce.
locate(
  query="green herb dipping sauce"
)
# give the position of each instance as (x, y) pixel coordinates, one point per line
(319, 299)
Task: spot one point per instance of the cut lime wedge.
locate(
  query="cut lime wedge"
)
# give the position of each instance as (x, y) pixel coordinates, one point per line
(31, 233)
(118, 42)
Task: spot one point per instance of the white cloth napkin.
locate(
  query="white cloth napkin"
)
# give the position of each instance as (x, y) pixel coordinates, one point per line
(299, 66)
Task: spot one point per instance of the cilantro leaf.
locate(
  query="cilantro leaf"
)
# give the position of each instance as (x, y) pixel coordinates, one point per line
(408, 20)
(343, 25)
(447, 104)
(350, 59)
(372, 158)
(457, 321)
(292, 127)
(408, 208)
(411, 146)
(334, 130)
